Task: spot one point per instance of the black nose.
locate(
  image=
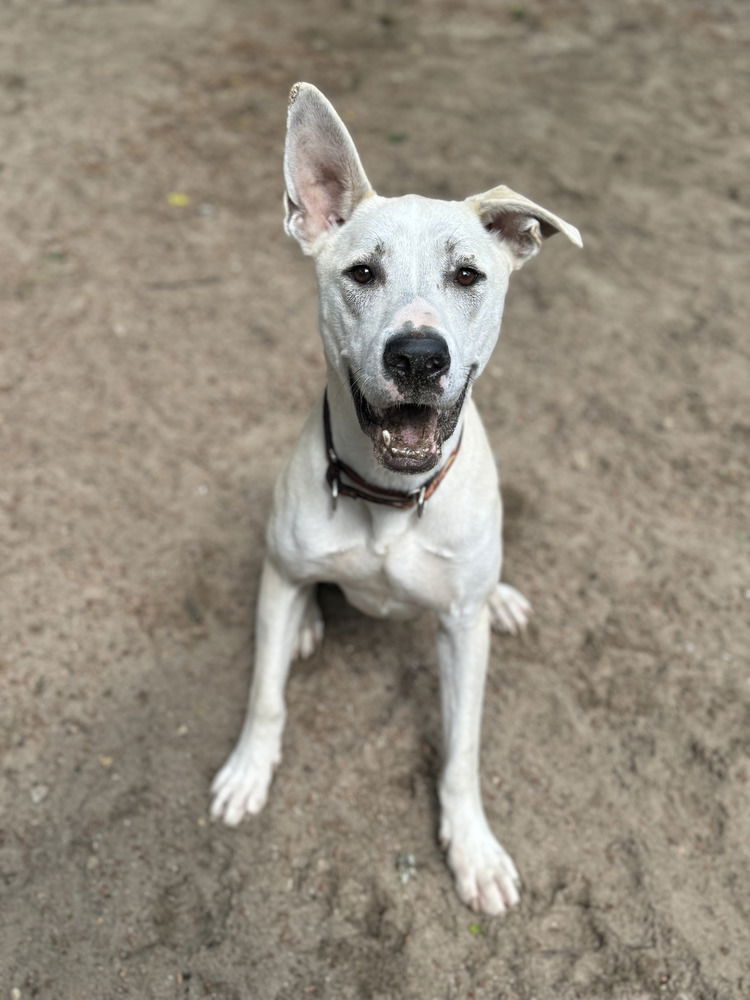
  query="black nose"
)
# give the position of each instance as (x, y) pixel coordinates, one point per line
(416, 357)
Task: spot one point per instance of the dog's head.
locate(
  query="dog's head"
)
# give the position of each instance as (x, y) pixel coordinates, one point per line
(411, 289)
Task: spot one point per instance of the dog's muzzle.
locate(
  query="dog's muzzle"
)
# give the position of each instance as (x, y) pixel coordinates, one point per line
(408, 437)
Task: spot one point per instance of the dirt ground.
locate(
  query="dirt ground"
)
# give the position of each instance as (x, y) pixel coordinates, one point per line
(159, 354)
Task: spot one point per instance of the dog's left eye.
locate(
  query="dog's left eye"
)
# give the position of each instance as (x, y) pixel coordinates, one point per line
(362, 274)
(466, 276)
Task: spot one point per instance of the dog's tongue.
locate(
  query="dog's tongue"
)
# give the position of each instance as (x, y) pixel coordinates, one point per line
(409, 437)
(413, 426)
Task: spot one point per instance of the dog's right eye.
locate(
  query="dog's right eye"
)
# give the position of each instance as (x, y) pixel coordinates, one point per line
(362, 274)
(466, 276)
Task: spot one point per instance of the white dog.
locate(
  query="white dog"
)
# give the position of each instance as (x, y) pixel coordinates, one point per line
(392, 490)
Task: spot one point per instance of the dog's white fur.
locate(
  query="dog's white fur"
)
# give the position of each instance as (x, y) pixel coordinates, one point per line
(391, 562)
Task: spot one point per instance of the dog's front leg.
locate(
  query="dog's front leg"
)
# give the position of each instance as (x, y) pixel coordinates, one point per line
(241, 786)
(486, 878)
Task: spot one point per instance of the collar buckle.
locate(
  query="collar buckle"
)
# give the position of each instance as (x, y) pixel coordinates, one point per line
(334, 482)
(421, 497)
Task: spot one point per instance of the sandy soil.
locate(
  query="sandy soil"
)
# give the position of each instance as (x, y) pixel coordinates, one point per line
(158, 359)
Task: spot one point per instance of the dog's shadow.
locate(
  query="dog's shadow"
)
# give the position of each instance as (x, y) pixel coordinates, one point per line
(385, 674)
(519, 511)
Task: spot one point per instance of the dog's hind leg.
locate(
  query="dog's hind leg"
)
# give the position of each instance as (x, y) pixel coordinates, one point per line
(241, 786)
(509, 609)
(486, 878)
(310, 632)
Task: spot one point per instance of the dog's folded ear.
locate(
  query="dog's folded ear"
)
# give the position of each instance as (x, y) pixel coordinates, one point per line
(324, 177)
(519, 223)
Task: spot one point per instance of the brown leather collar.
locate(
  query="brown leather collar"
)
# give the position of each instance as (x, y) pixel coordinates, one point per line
(362, 490)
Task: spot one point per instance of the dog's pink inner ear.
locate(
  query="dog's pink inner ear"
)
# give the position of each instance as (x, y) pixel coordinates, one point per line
(322, 195)
(327, 189)
(318, 203)
(514, 225)
(522, 232)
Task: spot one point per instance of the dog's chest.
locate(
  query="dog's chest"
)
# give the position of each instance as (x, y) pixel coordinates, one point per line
(387, 571)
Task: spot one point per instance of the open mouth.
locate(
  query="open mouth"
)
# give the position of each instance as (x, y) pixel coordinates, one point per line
(407, 437)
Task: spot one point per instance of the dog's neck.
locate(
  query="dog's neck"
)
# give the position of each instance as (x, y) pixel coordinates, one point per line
(355, 448)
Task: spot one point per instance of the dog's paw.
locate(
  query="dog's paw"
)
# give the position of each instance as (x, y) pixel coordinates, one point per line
(241, 786)
(509, 609)
(486, 878)
(310, 633)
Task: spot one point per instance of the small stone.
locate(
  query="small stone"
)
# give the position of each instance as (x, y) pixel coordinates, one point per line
(406, 866)
(39, 793)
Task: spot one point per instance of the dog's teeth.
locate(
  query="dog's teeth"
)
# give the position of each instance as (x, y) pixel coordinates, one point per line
(386, 437)
(410, 452)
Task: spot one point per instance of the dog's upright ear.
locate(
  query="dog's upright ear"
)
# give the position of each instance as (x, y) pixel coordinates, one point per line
(324, 177)
(519, 223)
